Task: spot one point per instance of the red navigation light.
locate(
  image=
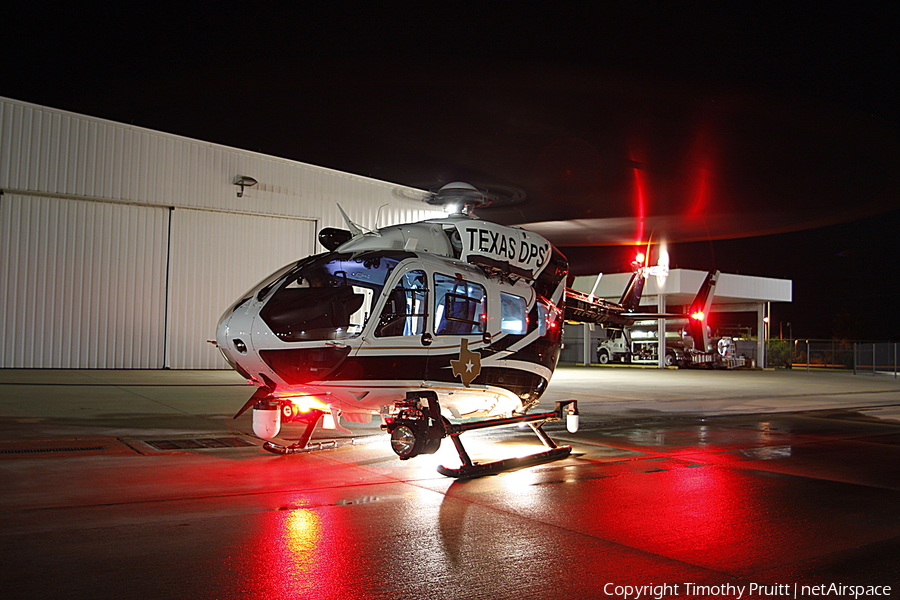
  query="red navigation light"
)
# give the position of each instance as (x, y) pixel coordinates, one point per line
(640, 258)
(698, 316)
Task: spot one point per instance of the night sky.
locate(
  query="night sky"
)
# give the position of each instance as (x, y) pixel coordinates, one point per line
(761, 143)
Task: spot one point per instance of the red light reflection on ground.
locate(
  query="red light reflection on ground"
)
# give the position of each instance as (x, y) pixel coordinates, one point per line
(302, 552)
(704, 515)
(297, 550)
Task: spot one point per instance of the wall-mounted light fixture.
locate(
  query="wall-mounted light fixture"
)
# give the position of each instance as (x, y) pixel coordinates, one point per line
(243, 180)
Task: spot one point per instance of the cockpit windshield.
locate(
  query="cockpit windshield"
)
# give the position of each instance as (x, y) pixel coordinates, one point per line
(329, 297)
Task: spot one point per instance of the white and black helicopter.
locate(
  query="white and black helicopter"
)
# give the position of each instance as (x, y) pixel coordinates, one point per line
(439, 327)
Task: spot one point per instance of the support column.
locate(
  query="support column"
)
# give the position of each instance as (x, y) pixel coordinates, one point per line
(586, 344)
(661, 332)
(762, 311)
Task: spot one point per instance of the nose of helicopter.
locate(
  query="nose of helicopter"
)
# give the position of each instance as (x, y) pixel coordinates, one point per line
(224, 342)
(221, 331)
(233, 338)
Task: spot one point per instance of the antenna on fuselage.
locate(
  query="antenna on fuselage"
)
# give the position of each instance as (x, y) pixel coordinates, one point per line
(353, 227)
(378, 216)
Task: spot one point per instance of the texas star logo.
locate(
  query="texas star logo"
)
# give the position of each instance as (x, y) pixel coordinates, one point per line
(468, 367)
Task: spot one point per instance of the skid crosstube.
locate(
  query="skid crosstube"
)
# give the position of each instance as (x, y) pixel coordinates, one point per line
(470, 469)
(419, 428)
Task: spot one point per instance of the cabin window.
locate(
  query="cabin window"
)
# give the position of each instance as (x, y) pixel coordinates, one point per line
(404, 310)
(543, 319)
(459, 306)
(513, 314)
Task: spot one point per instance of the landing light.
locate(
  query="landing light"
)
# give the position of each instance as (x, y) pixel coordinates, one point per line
(303, 404)
(403, 441)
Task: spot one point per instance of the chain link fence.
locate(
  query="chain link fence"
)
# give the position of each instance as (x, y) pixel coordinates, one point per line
(859, 357)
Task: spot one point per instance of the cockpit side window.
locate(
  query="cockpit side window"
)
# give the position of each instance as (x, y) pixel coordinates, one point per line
(459, 306)
(404, 311)
(327, 297)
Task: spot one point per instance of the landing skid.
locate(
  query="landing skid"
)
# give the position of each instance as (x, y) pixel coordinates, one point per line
(312, 447)
(314, 416)
(473, 470)
(419, 428)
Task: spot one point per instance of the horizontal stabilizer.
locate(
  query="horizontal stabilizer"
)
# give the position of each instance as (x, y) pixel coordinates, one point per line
(585, 308)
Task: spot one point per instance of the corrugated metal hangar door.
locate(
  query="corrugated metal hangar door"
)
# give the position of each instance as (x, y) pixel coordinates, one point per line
(103, 285)
(215, 258)
(82, 284)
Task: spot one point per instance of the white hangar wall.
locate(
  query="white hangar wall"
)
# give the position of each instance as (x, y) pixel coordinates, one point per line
(82, 284)
(121, 246)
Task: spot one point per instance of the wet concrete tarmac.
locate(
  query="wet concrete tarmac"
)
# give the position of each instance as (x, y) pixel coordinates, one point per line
(754, 484)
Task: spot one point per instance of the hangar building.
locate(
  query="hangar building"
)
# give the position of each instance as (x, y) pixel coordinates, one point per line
(121, 246)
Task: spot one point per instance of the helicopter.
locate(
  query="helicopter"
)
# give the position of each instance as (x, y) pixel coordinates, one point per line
(440, 327)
